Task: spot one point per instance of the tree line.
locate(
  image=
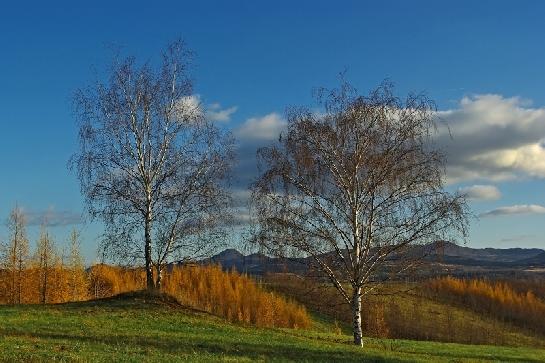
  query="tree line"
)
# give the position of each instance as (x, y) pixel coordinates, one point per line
(48, 274)
(45, 274)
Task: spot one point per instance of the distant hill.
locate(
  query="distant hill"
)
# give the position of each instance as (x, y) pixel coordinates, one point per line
(537, 260)
(459, 253)
(446, 255)
(255, 263)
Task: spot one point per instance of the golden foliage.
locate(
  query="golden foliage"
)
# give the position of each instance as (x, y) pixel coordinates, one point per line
(37, 289)
(16, 259)
(236, 297)
(44, 278)
(497, 298)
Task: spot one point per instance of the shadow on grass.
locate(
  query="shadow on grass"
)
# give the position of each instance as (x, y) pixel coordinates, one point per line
(190, 345)
(141, 300)
(254, 351)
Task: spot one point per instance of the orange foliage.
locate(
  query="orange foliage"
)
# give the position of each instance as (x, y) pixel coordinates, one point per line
(106, 281)
(236, 297)
(32, 289)
(498, 299)
(233, 296)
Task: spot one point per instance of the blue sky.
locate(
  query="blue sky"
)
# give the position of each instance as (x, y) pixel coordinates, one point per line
(481, 61)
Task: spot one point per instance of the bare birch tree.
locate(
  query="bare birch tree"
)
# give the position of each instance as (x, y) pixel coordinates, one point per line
(354, 187)
(151, 166)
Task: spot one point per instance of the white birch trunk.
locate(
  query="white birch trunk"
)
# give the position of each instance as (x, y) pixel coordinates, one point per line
(356, 316)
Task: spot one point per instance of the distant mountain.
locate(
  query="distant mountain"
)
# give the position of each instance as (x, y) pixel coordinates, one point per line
(256, 263)
(441, 253)
(228, 257)
(460, 253)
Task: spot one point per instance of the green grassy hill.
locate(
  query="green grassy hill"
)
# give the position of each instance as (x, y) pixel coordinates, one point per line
(136, 328)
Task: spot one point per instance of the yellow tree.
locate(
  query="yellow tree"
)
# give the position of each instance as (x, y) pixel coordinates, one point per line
(17, 255)
(45, 261)
(77, 282)
(59, 287)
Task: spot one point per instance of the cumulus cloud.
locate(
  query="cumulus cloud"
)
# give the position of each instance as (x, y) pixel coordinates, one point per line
(514, 209)
(191, 107)
(481, 192)
(188, 108)
(252, 134)
(264, 128)
(487, 138)
(493, 138)
(215, 112)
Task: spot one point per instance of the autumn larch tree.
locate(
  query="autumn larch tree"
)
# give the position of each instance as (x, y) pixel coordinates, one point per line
(17, 254)
(77, 280)
(46, 259)
(151, 165)
(354, 187)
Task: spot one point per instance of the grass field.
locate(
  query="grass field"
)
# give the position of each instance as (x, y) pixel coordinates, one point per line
(136, 328)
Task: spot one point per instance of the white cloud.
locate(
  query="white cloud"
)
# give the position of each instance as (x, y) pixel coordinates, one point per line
(215, 113)
(191, 107)
(493, 138)
(481, 192)
(514, 209)
(254, 133)
(267, 127)
(188, 108)
(241, 217)
(489, 138)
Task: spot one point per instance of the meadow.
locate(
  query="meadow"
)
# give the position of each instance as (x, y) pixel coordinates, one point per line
(207, 314)
(138, 327)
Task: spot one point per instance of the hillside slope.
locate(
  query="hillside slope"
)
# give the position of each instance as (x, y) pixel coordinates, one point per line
(135, 329)
(408, 311)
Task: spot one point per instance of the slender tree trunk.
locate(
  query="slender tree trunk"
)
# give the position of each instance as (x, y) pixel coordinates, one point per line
(44, 287)
(19, 283)
(13, 289)
(356, 316)
(13, 292)
(149, 265)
